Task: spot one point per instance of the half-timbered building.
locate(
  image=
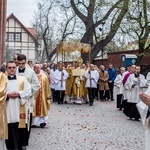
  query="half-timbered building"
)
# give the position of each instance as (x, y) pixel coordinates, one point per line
(20, 39)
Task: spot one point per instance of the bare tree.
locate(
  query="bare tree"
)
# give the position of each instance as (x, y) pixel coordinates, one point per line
(49, 29)
(118, 10)
(138, 26)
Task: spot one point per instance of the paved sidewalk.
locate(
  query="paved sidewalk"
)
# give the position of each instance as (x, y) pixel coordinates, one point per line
(84, 127)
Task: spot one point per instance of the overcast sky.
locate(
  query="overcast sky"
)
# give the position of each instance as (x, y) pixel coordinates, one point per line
(22, 9)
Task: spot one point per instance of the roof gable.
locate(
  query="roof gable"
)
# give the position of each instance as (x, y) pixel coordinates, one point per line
(28, 30)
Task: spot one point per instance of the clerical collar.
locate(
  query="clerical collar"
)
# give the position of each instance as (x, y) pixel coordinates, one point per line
(21, 70)
(12, 77)
(136, 75)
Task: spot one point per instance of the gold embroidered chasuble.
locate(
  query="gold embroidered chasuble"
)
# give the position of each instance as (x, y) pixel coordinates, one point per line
(22, 122)
(3, 117)
(42, 99)
(69, 82)
(78, 83)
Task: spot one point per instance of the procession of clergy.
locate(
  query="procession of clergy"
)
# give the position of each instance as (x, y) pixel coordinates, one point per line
(26, 90)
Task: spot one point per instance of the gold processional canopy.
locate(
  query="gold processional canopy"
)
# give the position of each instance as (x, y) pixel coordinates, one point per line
(72, 46)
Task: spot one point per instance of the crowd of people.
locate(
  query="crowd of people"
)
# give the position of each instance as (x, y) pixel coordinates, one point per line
(26, 90)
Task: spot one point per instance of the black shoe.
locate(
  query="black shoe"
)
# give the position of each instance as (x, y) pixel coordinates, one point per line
(42, 125)
(65, 102)
(91, 104)
(112, 99)
(33, 126)
(23, 148)
(137, 119)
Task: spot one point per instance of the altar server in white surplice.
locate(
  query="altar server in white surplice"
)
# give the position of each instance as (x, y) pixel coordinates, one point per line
(17, 93)
(92, 77)
(118, 88)
(134, 85)
(52, 85)
(60, 83)
(144, 109)
(30, 75)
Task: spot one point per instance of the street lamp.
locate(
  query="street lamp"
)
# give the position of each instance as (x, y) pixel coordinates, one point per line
(101, 30)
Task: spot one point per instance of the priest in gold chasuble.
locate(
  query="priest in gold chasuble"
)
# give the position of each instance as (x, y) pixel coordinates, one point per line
(69, 84)
(78, 83)
(3, 118)
(42, 99)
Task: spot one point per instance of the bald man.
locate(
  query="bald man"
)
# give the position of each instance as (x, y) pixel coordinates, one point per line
(42, 99)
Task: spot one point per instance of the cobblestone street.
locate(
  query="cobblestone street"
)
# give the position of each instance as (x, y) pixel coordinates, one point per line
(84, 127)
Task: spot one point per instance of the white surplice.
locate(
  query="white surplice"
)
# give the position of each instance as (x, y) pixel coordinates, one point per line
(148, 79)
(133, 92)
(13, 105)
(35, 85)
(118, 85)
(93, 74)
(143, 109)
(2, 144)
(60, 75)
(125, 91)
(52, 75)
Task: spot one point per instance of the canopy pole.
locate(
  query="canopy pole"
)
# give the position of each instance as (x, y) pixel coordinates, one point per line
(57, 58)
(90, 54)
(62, 56)
(89, 57)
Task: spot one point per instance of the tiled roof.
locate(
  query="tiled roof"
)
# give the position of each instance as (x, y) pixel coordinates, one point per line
(32, 31)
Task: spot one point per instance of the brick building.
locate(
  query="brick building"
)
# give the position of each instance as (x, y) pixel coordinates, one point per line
(115, 59)
(2, 29)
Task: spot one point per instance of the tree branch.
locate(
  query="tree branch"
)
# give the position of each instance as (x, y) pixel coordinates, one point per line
(78, 13)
